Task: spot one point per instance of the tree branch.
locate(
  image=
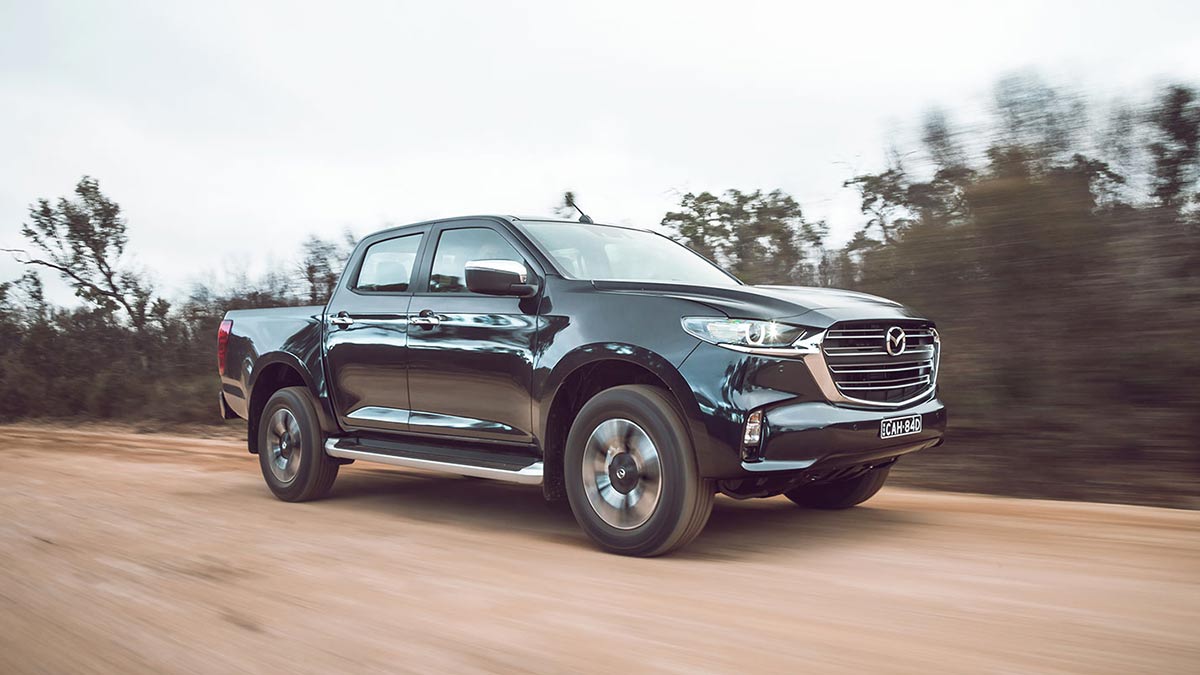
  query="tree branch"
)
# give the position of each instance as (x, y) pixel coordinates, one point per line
(67, 272)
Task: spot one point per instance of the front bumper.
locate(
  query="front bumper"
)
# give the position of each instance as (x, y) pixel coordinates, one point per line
(818, 435)
(803, 430)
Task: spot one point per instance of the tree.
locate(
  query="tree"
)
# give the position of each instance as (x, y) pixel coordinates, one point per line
(884, 200)
(322, 263)
(699, 224)
(1036, 124)
(27, 298)
(760, 237)
(84, 240)
(1176, 150)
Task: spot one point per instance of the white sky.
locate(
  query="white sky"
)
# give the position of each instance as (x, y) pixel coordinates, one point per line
(228, 131)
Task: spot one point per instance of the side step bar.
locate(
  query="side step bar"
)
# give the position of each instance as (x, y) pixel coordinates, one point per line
(529, 475)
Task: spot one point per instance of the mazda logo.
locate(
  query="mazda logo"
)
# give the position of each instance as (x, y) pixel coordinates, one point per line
(896, 341)
(621, 472)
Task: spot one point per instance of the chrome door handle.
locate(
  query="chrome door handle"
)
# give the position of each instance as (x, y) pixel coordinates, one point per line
(341, 320)
(425, 319)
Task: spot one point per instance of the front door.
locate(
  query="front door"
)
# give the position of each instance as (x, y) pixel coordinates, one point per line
(470, 356)
(366, 335)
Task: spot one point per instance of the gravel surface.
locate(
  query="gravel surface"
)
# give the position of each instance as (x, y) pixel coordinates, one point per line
(126, 552)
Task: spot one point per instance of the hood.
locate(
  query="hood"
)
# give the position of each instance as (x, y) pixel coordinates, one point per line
(805, 305)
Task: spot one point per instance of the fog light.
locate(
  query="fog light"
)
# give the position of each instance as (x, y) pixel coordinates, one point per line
(753, 433)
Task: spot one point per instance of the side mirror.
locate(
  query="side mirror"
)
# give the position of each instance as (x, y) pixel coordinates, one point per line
(499, 277)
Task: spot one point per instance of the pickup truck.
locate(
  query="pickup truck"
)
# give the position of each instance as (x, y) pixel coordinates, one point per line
(610, 365)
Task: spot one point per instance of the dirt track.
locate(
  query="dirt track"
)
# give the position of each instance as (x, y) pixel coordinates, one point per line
(123, 552)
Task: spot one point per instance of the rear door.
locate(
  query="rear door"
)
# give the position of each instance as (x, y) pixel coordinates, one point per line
(470, 356)
(366, 333)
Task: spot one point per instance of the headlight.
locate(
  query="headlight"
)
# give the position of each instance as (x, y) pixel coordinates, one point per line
(743, 334)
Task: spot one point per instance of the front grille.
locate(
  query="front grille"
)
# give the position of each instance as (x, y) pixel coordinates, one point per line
(856, 353)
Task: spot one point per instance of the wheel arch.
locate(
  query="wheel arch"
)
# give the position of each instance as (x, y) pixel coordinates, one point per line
(273, 372)
(591, 369)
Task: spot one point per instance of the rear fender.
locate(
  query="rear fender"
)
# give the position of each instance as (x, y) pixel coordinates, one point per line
(268, 363)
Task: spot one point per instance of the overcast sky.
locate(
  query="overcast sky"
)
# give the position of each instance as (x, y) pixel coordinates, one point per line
(228, 131)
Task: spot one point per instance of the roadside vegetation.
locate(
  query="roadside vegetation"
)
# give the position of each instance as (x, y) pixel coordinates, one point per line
(1057, 246)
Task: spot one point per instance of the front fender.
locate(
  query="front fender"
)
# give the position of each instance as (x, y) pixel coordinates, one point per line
(549, 386)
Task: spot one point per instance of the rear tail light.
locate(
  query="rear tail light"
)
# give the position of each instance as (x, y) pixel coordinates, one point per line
(223, 343)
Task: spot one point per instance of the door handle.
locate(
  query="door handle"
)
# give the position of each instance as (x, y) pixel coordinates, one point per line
(426, 319)
(341, 320)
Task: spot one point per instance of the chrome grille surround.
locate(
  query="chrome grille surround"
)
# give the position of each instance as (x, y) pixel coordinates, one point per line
(864, 371)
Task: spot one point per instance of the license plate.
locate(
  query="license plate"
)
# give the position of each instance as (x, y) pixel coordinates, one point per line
(900, 426)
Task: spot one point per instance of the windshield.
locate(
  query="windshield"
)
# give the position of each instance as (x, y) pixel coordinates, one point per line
(595, 252)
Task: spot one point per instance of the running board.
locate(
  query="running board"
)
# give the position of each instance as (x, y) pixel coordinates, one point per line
(529, 475)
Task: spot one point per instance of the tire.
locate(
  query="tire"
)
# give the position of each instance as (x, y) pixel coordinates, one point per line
(291, 409)
(840, 494)
(631, 473)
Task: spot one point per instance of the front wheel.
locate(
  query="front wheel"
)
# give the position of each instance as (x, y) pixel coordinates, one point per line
(840, 494)
(631, 474)
(291, 452)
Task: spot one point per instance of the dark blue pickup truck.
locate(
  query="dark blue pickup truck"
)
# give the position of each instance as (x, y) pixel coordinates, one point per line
(610, 365)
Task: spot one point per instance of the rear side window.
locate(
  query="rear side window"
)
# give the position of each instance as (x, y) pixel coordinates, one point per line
(458, 247)
(388, 265)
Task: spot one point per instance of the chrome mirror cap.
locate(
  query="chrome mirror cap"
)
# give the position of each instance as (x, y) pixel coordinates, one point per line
(501, 267)
(499, 277)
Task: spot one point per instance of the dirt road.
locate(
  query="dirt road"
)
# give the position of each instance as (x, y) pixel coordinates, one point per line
(123, 552)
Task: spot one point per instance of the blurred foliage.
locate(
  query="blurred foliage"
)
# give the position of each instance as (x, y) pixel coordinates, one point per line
(762, 238)
(1057, 246)
(1060, 260)
(125, 353)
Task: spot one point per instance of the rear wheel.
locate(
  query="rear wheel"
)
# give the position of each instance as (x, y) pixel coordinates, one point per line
(840, 494)
(631, 474)
(290, 448)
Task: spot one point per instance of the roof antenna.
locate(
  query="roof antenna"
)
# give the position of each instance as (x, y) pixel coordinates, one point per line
(583, 217)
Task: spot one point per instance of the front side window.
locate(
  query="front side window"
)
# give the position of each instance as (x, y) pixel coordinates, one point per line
(456, 248)
(388, 265)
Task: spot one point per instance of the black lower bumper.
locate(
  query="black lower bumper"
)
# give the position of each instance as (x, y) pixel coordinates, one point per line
(807, 436)
(227, 413)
